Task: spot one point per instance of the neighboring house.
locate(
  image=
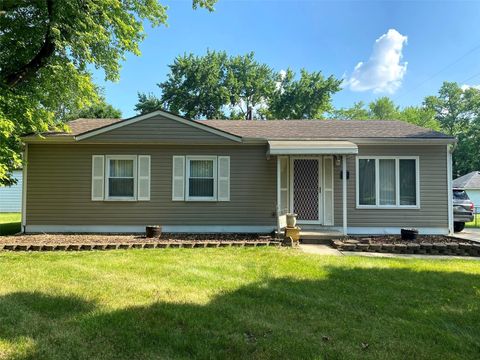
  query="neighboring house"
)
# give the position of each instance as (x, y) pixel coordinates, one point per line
(359, 177)
(11, 196)
(471, 184)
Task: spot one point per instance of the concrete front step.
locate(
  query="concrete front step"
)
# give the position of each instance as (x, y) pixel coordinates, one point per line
(319, 236)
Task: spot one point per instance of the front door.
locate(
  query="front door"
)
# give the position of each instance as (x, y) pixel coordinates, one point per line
(306, 189)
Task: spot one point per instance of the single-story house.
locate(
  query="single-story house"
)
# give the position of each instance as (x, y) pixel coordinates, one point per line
(471, 184)
(11, 196)
(357, 177)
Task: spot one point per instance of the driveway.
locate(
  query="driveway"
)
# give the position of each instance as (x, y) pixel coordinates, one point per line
(472, 234)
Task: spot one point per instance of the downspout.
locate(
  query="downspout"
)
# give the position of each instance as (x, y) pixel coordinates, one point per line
(278, 196)
(344, 196)
(24, 188)
(450, 149)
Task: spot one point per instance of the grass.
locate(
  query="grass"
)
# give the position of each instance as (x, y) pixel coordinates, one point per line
(10, 223)
(236, 303)
(474, 223)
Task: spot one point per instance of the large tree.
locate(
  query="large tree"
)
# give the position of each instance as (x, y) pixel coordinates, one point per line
(249, 84)
(147, 103)
(45, 48)
(458, 111)
(196, 86)
(239, 87)
(384, 108)
(308, 97)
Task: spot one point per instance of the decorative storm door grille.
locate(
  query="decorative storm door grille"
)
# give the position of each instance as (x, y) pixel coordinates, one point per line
(306, 189)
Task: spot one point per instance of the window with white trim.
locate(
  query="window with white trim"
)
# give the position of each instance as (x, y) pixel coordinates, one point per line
(121, 177)
(387, 182)
(201, 178)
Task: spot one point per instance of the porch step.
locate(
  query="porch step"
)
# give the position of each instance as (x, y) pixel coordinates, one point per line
(319, 236)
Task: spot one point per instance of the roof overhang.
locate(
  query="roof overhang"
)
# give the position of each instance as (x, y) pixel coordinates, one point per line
(311, 147)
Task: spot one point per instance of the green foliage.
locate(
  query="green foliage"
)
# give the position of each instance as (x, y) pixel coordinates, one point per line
(45, 48)
(239, 87)
(458, 112)
(356, 112)
(306, 98)
(196, 86)
(383, 109)
(99, 110)
(249, 84)
(147, 103)
(421, 116)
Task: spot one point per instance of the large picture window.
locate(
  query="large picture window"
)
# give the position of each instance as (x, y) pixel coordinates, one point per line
(387, 182)
(201, 178)
(121, 177)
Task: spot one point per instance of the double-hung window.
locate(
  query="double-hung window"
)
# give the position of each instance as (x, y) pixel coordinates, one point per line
(121, 177)
(201, 178)
(388, 182)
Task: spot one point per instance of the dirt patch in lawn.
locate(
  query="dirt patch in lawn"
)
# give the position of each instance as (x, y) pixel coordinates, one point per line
(124, 238)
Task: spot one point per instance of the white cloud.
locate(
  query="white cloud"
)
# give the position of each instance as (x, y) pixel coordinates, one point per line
(384, 71)
(466, 87)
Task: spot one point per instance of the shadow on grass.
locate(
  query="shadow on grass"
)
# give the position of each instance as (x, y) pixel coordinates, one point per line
(352, 313)
(10, 228)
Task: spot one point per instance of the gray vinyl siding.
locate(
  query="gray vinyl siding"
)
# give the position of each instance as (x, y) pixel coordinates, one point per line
(59, 188)
(159, 129)
(433, 210)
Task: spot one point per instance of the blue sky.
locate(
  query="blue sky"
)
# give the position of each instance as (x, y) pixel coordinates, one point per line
(430, 42)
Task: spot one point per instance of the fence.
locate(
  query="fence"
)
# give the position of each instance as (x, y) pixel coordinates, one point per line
(476, 220)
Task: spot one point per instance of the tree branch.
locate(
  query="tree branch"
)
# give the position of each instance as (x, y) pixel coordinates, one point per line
(29, 69)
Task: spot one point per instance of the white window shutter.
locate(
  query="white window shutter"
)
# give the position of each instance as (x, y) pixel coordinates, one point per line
(223, 193)
(178, 178)
(143, 181)
(98, 174)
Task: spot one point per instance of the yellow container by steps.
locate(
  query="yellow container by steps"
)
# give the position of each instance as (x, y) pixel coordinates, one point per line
(293, 232)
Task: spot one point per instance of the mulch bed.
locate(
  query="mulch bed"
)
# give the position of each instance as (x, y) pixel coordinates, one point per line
(425, 245)
(49, 242)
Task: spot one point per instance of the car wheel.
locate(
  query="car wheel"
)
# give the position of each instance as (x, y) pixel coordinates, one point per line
(458, 226)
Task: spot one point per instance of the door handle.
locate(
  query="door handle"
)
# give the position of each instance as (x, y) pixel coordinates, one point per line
(320, 189)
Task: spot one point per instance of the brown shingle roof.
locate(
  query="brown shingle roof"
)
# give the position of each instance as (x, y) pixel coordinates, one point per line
(291, 129)
(80, 126)
(323, 129)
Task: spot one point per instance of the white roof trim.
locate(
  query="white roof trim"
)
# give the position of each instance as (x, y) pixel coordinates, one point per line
(135, 119)
(311, 147)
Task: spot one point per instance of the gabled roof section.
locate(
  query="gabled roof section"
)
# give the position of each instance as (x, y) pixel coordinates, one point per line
(468, 181)
(118, 124)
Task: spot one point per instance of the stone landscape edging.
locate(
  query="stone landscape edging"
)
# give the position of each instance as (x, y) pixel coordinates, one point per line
(144, 245)
(423, 248)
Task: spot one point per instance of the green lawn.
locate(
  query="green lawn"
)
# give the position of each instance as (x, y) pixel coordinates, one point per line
(234, 303)
(473, 223)
(10, 223)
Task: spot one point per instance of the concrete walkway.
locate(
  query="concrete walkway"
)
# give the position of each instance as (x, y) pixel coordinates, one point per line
(318, 249)
(472, 234)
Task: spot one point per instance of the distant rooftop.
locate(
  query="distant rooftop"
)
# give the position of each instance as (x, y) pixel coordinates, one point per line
(468, 181)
